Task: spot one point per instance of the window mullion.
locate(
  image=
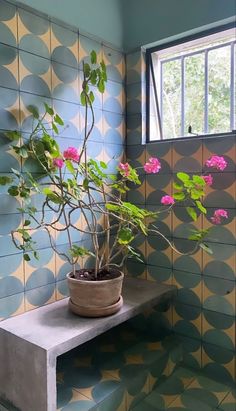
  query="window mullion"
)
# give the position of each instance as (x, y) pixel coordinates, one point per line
(161, 93)
(182, 95)
(232, 89)
(206, 127)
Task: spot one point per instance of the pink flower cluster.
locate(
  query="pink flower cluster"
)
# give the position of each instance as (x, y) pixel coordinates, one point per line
(58, 162)
(71, 153)
(216, 162)
(153, 165)
(218, 214)
(167, 200)
(125, 169)
(208, 179)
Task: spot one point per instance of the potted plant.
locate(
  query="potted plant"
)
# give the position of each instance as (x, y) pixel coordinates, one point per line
(71, 181)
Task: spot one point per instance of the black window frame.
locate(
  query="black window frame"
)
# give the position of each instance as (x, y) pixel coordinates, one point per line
(150, 71)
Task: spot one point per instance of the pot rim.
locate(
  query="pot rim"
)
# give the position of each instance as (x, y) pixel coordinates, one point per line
(100, 283)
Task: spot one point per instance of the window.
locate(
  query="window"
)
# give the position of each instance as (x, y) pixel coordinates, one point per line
(191, 87)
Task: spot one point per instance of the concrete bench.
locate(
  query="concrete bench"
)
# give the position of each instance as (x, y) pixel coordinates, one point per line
(30, 343)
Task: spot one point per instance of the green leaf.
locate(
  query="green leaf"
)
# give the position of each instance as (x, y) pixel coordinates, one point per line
(183, 177)
(22, 151)
(200, 207)
(179, 196)
(86, 69)
(33, 110)
(93, 77)
(48, 109)
(13, 191)
(86, 183)
(112, 207)
(54, 198)
(83, 98)
(91, 97)
(177, 186)
(206, 248)
(103, 165)
(27, 223)
(4, 180)
(196, 194)
(192, 213)
(199, 181)
(46, 191)
(125, 236)
(70, 167)
(58, 120)
(13, 135)
(26, 257)
(55, 129)
(101, 86)
(93, 56)
(36, 255)
(77, 251)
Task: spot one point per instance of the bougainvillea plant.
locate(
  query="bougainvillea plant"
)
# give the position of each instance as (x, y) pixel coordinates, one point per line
(71, 181)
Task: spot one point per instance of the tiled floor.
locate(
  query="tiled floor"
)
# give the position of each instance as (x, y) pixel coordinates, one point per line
(186, 390)
(126, 370)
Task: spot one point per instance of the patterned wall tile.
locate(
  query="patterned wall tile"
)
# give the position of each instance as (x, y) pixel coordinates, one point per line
(46, 68)
(8, 25)
(33, 33)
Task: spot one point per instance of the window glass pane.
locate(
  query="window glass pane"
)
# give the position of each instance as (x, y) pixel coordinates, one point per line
(194, 93)
(171, 98)
(219, 90)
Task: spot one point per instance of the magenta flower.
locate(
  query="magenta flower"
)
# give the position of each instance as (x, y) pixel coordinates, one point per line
(58, 162)
(216, 162)
(71, 153)
(167, 200)
(125, 169)
(218, 214)
(208, 179)
(153, 165)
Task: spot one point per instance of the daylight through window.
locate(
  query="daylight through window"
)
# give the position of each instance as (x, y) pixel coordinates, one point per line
(192, 87)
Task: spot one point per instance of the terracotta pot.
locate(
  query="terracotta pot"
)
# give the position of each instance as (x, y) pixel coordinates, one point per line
(95, 298)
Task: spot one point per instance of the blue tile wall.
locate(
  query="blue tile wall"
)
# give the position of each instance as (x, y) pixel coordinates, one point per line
(41, 61)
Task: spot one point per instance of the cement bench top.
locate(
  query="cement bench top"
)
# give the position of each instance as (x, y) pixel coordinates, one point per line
(30, 343)
(54, 328)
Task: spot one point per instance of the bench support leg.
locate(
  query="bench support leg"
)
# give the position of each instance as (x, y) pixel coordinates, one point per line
(27, 375)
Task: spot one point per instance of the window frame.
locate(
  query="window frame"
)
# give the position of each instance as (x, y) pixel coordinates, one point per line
(150, 73)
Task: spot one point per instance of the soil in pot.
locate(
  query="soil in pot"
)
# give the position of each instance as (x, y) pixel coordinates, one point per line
(89, 274)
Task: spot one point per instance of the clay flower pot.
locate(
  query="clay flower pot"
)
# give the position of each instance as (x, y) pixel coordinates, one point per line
(95, 298)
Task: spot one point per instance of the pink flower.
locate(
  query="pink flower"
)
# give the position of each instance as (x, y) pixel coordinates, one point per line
(167, 200)
(58, 162)
(218, 214)
(152, 166)
(71, 153)
(208, 179)
(216, 162)
(125, 168)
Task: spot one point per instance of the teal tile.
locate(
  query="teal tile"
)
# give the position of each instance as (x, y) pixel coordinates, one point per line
(33, 22)
(9, 305)
(6, 35)
(34, 44)
(39, 296)
(10, 285)
(34, 64)
(64, 35)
